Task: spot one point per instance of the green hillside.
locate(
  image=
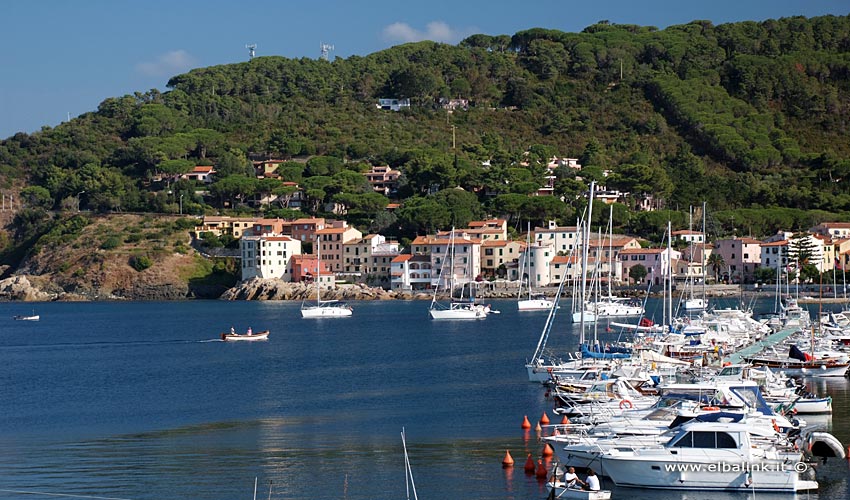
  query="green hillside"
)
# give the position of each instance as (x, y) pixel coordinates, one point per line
(745, 115)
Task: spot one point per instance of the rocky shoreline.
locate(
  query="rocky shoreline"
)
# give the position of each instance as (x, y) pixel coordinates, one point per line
(24, 288)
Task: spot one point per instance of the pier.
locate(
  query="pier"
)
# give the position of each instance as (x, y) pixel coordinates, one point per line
(768, 341)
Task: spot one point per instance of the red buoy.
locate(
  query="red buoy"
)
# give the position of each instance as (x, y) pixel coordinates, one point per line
(548, 451)
(508, 461)
(541, 469)
(544, 420)
(529, 465)
(565, 420)
(525, 423)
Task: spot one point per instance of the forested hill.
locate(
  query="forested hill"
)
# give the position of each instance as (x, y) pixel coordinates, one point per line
(741, 115)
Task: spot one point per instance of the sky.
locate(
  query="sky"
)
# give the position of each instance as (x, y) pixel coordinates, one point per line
(62, 58)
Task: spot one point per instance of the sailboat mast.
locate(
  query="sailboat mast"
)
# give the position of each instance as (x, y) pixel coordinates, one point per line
(610, 247)
(585, 243)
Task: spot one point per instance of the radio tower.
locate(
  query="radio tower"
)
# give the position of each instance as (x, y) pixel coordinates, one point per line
(325, 48)
(251, 48)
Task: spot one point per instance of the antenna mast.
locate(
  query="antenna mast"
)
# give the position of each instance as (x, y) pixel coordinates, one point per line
(325, 48)
(252, 47)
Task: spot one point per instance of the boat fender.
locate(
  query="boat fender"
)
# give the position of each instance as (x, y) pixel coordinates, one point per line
(775, 425)
(625, 403)
(710, 408)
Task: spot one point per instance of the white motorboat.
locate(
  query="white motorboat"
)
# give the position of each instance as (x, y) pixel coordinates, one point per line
(247, 337)
(710, 456)
(32, 317)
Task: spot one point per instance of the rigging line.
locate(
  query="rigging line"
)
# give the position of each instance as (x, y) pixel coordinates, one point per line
(66, 495)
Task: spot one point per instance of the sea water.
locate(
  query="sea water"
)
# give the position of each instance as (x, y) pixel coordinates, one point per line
(141, 400)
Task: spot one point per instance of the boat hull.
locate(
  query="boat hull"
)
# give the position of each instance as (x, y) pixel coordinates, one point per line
(457, 313)
(238, 337)
(535, 305)
(326, 312)
(561, 491)
(671, 474)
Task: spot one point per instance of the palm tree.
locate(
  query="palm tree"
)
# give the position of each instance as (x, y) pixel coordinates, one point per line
(717, 263)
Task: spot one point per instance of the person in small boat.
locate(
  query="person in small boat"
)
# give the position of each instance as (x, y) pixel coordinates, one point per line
(232, 331)
(571, 478)
(250, 332)
(591, 483)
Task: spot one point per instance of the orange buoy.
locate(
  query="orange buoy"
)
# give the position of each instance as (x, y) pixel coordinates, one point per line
(508, 461)
(525, 423)
(544, 420)
(529, 464)
(538, 428)
(541, 469)
(565, 420)
(548, 451)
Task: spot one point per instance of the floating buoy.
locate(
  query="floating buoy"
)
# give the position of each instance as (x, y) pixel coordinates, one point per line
(538, 428)
(525, 423)
(541, 469)
(508, 461)
(565, 420)
(544, 420)
(548, 451)
(529, 464)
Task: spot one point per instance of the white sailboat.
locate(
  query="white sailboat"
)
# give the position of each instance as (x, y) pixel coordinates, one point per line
(693, 303)
(609, 306)
(323, 308)
(534, 301)
(456, 309)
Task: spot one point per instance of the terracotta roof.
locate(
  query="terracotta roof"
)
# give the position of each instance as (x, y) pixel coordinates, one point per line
(780, 243)
(686, 231)
(564, 259)
(836, 225)
(629, 251)
(333, 230)
(309, 221)
(403, 257)
(202, 169)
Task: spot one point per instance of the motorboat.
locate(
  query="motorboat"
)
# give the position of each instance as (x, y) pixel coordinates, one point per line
(31, 317)
(713, 456)
(249, 336)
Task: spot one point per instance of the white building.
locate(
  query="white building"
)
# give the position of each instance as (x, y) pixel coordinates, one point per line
(268, 256)
(562, 239)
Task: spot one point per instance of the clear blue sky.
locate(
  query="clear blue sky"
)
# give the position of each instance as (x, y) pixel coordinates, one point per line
(62, 58)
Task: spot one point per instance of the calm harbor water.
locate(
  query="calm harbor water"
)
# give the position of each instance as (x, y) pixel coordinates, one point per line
(141, 401)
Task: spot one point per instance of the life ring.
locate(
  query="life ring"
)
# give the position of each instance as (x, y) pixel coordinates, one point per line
(625, 403)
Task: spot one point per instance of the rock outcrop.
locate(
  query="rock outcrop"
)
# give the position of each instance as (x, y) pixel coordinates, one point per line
(20, 288)
(275, 289)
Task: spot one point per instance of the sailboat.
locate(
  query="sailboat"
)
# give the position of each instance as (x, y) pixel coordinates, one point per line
(609, 306)
(323, 308)
(456, 309)
(693, 303)
(534, 301)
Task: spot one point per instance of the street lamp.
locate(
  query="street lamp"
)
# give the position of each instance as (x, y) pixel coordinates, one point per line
(78, 199)
(181, 204)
